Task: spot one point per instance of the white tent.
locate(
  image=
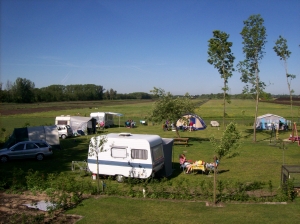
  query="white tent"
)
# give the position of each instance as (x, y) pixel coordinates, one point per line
(265, 122)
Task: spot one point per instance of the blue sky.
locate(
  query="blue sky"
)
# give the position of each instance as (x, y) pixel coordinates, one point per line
(135, 45)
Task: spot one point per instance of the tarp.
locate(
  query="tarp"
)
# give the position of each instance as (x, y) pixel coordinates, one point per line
(46, 133)
(85, 124)
(265, 121)
(198, 122)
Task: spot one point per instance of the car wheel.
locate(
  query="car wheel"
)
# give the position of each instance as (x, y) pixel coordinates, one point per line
(39, 157)
(63, 136)
(3, 159)
(120, 178)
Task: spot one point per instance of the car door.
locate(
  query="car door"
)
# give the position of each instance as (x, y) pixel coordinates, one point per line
(17, 151)
(30, 150)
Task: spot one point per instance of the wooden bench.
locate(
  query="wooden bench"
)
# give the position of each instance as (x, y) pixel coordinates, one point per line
(181, 141)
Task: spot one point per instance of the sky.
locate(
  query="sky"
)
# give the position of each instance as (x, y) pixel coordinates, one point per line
(136, 45)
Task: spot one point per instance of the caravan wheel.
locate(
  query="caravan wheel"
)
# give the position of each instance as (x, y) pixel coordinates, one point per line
(63, 136)
(120, 178)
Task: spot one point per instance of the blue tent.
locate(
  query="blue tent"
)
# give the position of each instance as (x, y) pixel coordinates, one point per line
(198, 122)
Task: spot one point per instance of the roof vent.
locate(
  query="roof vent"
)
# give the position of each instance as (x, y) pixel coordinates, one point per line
(125, 134)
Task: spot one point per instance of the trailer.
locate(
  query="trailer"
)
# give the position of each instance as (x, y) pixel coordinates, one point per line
(131, 155)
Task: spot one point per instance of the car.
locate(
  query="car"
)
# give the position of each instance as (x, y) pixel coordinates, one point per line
(26, 149)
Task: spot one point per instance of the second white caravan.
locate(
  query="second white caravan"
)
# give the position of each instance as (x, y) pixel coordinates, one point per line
(128, 155)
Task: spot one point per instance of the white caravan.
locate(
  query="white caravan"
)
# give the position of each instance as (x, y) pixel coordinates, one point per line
(128, 155)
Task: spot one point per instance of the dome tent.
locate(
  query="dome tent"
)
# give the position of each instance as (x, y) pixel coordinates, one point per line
(198, 122)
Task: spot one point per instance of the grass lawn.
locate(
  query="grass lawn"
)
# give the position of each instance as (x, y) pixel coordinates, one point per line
(260, 161)
(127, 210)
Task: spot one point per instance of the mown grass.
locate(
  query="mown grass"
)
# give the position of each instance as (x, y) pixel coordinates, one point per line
(126, 210)
(260, 161)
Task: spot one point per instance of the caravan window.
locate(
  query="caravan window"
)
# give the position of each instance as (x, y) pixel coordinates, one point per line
(118, 152)
(59, 122)
(139, 154)
(157, 153)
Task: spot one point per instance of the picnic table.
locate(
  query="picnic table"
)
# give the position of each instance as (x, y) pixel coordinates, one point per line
(181, 141)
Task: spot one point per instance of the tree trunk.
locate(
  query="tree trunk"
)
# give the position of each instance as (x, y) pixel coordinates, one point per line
(224, 101)
(256, 106)
(215, 180)
(98, 180)
(177, 132)
(289, 87)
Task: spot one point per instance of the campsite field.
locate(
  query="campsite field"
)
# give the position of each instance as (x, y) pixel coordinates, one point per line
(257, 162)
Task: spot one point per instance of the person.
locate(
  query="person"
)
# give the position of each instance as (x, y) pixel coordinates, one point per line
(213, 164)
(191, 125)
(184, 163)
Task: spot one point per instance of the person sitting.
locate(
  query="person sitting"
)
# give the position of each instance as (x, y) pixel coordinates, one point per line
(214, 164)
(127, 124)
(184, 163)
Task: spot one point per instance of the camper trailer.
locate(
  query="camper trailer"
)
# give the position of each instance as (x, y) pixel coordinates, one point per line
(129, 155)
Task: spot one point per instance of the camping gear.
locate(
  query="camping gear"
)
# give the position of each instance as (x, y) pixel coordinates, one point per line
(47, 133)
(198, 122)
(265, 122)
(294, 136)
(80, 125)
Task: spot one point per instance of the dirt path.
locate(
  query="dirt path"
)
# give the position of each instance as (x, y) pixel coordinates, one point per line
(13, 210)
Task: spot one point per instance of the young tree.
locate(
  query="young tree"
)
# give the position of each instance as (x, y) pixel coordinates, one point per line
(226, 146)
(222, 58)
(168, 107)
(281, 49)
(97, 146)
(254, 40)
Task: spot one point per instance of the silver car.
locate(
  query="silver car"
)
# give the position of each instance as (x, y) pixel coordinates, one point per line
(26, 149)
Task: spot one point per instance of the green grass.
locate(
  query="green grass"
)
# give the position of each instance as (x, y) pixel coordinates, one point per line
(126, 210)
(257, 162)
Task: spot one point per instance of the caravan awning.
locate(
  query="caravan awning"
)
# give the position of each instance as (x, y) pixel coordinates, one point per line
(115, 114)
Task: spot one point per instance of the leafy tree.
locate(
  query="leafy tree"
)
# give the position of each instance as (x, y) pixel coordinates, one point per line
(281, 49)
(229, 142)
(254, 40)
(226, 146)
(97, 146)
(22, 90)
(222, 58)
(168, 107)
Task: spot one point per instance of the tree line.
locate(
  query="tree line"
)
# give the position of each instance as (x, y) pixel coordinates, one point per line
(23, 91)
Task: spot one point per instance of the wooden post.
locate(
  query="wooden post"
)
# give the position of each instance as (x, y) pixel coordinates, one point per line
(215, 201)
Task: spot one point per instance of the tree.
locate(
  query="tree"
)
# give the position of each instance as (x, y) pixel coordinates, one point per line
(97, 146)
(168, 107)
(254, 40)
(220, 56)
(226, 146)
(22, 90)
(281, 49)
(229, 142)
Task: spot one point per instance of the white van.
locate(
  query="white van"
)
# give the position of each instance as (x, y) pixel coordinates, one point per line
(64, 131)
(128, 155)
